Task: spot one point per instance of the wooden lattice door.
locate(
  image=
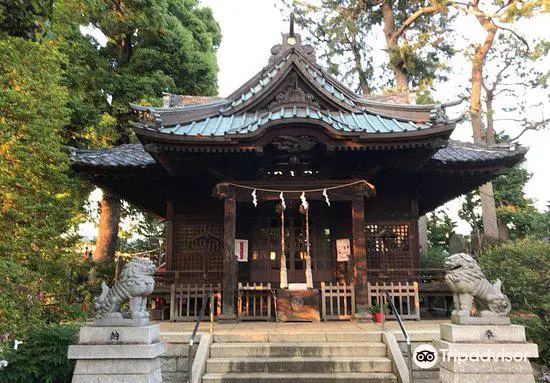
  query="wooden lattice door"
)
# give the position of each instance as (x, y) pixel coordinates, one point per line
(198, 251)
(388, 247)
(265, 248)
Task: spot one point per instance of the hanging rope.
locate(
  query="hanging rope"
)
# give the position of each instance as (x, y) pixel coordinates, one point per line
(359, 182)
(283, 272)
(309, 276)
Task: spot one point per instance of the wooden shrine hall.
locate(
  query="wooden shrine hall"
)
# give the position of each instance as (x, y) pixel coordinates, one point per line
(291, 183)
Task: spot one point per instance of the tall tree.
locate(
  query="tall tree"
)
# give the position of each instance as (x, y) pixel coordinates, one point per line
(493, 17)
(39, 200)
(347, 28)
(154, 47)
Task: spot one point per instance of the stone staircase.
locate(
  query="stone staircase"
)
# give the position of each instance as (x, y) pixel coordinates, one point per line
(298, 357)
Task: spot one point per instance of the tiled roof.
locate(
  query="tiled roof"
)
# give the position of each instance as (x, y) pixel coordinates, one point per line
(250, 122)
(261, 83)
(134, 155)
(130, 155)
(171, 100)
(327, 83)
(460, 152)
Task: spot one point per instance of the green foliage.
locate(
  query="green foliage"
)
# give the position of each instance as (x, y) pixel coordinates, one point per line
(515, 209)
(522, 266)
(152, 47)
(376, 308)
(38, 197)
(25, 18)
(39, 200)
(536, 331)
(440, 228)
(42, 357)
(433, 258)
(469, 211)
(20, 306)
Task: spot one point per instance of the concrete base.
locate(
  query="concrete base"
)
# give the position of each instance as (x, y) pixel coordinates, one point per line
(363, 314)
(121, 322)
(117, 354)
(482, 333)
(485, 354)
(492, 320)
(227, 318)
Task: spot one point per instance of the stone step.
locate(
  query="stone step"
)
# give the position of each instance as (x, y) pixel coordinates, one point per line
(304, 349)
(248, 337)
(299, 364)
(344, 377)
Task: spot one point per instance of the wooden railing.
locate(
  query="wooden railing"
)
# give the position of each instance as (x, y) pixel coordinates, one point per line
(186, 301)
(404, 295)
(254, 301)
(337, 301)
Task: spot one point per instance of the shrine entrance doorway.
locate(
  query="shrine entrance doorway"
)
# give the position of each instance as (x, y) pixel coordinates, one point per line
(265, 244)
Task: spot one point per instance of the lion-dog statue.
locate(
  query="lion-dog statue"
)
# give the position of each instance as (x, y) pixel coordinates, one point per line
(466, 280)
(134, 284)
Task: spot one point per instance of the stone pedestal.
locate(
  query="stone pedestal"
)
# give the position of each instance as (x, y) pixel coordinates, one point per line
(485, 353)
(117, 353)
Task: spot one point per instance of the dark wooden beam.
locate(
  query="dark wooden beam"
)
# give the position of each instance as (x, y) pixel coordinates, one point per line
(359, 255)
(229, 259)
(169, 233)
(413, 235)
(244, 194)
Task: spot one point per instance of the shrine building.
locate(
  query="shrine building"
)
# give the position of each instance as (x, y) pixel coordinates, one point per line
(293, 180)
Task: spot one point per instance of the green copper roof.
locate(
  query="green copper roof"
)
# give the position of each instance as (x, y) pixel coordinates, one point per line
(250, 122)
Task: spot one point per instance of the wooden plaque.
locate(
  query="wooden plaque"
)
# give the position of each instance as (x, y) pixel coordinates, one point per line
(298, 305)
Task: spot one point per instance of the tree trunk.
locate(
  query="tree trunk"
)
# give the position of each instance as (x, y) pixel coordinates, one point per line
(109, 219)
(490, 226)
(362, 73)
(396, 64)
(503, 231)
(423, 233)
(490, 134)
(489, 211)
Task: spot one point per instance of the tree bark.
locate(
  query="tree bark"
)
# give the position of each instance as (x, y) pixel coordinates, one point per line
(396, 64)
(488, 210)
(477, 78)
(356, 50)
(109, 218)
(423, 233)
(490, 225)
(490, 134)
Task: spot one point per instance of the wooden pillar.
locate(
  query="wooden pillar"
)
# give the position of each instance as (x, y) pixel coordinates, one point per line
(229, 258)
(169, 234)
(359, 255)
(414, 236)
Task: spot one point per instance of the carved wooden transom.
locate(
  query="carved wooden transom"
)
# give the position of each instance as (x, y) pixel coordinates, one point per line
(294, 144)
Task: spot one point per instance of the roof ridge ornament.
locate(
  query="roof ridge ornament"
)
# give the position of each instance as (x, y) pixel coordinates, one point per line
(292, 41)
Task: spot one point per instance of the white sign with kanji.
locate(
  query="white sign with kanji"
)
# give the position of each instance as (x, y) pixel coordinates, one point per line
(241, 250)
(343, 250)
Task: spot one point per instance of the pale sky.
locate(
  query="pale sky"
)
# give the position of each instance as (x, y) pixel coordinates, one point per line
(251, 27)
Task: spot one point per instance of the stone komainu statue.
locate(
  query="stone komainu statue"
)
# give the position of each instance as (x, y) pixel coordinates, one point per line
(466, 280)
(134, 284)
